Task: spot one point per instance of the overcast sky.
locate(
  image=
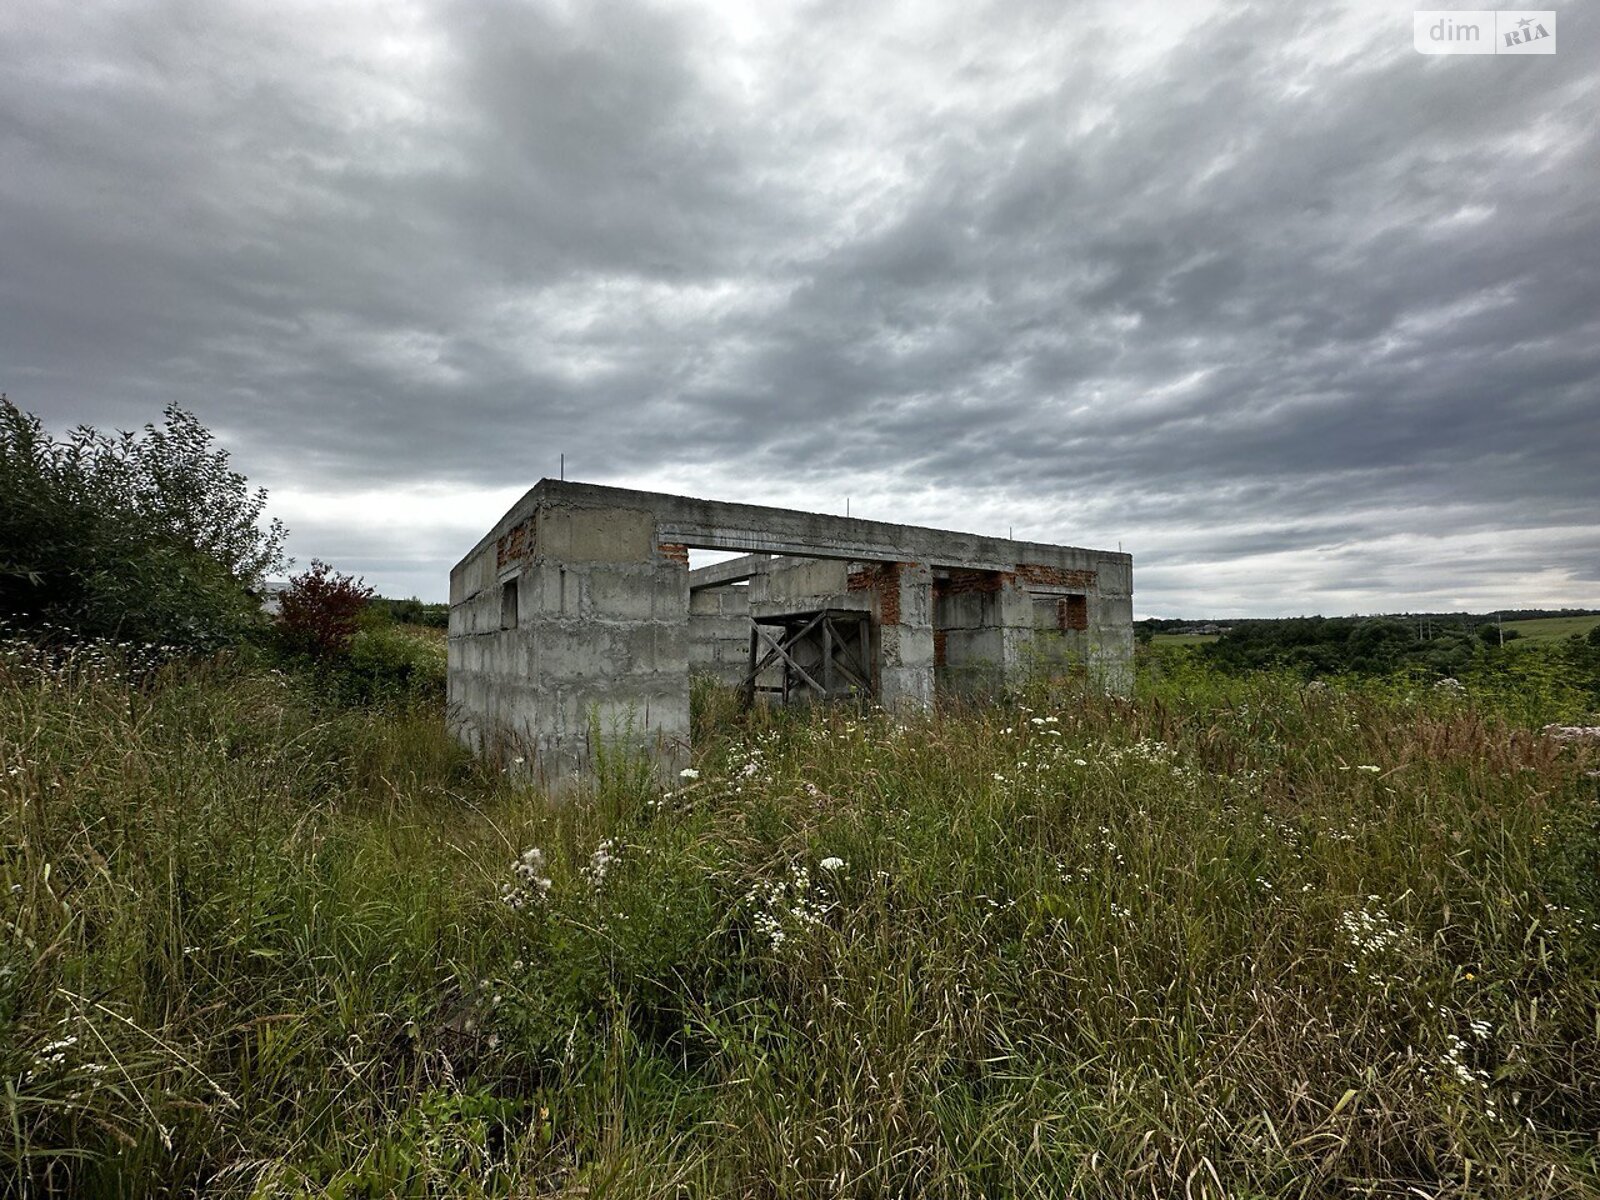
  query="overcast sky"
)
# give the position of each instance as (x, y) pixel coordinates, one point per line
(1304, 320)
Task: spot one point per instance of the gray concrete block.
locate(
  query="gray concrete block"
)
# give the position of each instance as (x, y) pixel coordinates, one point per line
(617, 595)
(795, 577)
(596, 534)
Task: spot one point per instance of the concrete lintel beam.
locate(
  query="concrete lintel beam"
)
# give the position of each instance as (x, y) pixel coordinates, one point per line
(735, 570)
(757, 529)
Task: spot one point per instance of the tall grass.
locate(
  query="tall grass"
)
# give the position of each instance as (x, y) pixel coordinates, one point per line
(1232, 938)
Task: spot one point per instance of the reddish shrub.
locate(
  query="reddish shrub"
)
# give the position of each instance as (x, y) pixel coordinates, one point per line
(318, 610)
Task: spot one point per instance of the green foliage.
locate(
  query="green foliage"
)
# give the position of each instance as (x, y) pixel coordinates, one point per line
(412, 612)
(1497, 635)
(145, 537)
(387, 664)
(1320, 647)
(1239, 935)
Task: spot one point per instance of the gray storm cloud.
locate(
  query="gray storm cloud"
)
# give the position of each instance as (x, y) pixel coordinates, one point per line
(1302, 318)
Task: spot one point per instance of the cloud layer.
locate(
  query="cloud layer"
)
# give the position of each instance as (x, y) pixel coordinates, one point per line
(1304, 320)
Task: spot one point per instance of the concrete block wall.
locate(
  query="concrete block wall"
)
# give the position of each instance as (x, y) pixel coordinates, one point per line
(996, 629)
(1109, 639)
(719, 633)
(969, 645)
(595, 642)
(902, 614)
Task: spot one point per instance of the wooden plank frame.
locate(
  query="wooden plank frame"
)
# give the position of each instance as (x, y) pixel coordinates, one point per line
(843, 674)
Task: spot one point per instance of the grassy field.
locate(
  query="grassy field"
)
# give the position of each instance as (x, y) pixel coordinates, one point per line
(1549, 629)
(1532, 632)
(1236, 937)
(1183, 639)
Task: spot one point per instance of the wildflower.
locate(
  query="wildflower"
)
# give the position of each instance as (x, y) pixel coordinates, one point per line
(1571, 733)
(785, 906)
(688, 773)
(531, 884)
(1080, 762)
(600, 862)
(831, 863)
(1371, 931)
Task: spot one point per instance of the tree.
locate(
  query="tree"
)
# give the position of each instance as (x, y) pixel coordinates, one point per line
(147, 536)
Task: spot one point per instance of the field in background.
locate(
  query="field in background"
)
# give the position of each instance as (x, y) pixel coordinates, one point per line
(1548, 629)
(1530, 631)
(1236, 937)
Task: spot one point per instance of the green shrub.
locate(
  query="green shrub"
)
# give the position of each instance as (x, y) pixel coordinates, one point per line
(393, 663)
(145, 537)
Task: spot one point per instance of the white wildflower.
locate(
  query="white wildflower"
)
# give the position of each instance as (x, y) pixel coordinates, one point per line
(600, 862)
(785, 907)
(531, 884)
(1572, 733)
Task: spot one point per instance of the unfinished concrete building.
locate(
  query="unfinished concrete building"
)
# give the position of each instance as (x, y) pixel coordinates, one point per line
(578, 615)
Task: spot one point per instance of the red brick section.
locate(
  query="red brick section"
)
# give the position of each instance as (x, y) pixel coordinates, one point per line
(883, 578)
(674, 552)
(939, 637)
(1054, 576)
(961, 581)
(515, 543)
(1072, 612)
